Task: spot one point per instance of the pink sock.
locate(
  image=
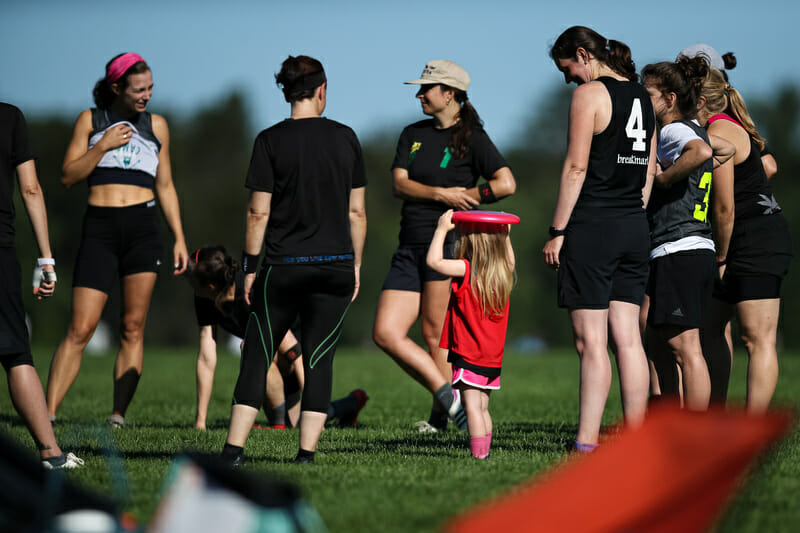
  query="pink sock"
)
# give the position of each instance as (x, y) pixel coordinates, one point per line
(479, 447)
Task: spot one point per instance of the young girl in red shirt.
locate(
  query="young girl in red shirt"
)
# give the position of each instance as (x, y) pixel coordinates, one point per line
(477, 315)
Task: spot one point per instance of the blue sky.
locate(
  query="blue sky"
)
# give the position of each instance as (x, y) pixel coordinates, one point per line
(52, 52)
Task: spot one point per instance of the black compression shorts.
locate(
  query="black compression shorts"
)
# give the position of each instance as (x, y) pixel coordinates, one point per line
(604, 259)
(117, 241)
(409, 271)
(320, 295)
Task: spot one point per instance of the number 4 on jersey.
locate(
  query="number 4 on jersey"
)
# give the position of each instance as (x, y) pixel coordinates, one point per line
(634, 129)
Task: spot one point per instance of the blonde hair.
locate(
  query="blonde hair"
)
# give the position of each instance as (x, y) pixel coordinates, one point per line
(491, 271)
(722, 98)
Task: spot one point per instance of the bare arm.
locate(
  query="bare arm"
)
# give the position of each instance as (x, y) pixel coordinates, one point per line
(770, 165)
(256, 226)
(502, 183)
(208, 343)
(168, 198)
(408, 189)
(358, 230)
(33, 198)
(650, 177)
(581, 128)
(723, 150)
(80, 160)
(435, 258)
(695, 153)
(723, 208)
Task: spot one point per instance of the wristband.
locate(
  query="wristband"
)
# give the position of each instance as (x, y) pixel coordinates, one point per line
(557, 232)
(249, 263)
(486, 194)
(42, 261)
(723, 262)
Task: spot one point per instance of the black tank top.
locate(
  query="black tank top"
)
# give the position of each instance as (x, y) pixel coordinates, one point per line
(620, 154)
(682, 210)
(752, 191)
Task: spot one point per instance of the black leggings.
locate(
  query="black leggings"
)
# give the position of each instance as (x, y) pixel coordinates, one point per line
(320, 294)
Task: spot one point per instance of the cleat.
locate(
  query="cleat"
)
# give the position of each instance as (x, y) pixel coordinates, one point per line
(70, 461)
(423, 426)
(350, 419)
(116, 421)
(456, 412)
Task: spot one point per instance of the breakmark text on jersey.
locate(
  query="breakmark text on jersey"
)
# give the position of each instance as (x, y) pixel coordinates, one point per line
(632, 160)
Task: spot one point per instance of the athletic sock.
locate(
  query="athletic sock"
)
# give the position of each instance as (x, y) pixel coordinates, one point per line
(231, 452)
(56, 461)
(304, 456)
(584, 448)
(438, 419)
(277, 415)
(444, 395)
(479, 446)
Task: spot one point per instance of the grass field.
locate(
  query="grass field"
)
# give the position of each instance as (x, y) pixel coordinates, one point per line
(382, 476)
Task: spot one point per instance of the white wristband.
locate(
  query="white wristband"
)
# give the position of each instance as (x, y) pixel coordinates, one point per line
(42, 261)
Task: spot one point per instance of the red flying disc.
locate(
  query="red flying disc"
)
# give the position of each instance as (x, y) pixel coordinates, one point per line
(485, 217)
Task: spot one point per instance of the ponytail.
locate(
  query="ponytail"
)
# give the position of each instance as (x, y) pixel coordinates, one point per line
(684, 77)
(211, 266)
(615, 54)
(722, 98)
(468, 122)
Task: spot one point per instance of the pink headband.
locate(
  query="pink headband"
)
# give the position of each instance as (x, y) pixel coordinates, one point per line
(120, 66)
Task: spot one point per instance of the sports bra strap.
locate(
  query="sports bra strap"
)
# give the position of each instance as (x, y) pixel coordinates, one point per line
(720, 116)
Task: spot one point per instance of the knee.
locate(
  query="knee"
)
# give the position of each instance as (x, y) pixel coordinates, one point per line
(132, 330)
(384, 336)
(432, 337)
(81, 333)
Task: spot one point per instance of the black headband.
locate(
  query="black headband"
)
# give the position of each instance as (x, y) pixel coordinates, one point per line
(306, 82)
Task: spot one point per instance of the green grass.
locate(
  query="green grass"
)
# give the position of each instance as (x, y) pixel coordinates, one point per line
(381, 476)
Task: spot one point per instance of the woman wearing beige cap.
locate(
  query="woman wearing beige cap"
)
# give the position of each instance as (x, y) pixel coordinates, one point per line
(436, 168)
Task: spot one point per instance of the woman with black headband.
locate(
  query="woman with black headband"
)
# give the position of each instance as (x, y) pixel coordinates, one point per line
(307, 203)
(122, 152)
(436, 167)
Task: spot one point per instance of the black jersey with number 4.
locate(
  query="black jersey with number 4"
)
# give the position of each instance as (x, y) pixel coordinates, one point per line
(15, 149)
(310, 166)
(620, 154)
(682, 210)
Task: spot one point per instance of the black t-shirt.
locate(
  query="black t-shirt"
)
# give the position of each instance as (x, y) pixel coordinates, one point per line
(423, 151)
(15, 149)
(620, 154)
(309, 166)
(231, 315)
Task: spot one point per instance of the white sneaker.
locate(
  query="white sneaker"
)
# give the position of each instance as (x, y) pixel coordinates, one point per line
(456, 412)
(116, 421)
(72, 461)
(424, 427)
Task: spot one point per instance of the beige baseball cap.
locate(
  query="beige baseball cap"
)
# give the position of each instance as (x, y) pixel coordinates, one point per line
(443, 71)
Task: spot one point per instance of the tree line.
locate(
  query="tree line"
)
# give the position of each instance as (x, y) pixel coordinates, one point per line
(210, 153)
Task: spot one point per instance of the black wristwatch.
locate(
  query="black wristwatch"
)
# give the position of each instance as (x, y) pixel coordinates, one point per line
(557, 232)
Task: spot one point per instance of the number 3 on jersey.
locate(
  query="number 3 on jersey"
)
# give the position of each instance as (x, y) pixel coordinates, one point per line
(634, 129)
(701, 210)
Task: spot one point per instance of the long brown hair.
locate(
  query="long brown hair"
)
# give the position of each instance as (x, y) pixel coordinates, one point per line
(684, 77)
(722, 98)
(211, 266)
(468, 121)
(491, 271)
(615, 54)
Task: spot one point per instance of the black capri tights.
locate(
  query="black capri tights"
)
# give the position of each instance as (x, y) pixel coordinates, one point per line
(320, 294)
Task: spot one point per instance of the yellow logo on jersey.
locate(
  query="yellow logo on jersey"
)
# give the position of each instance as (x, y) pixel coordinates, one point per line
(414, 149)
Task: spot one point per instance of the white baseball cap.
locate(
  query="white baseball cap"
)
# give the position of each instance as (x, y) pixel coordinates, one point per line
(445, 72)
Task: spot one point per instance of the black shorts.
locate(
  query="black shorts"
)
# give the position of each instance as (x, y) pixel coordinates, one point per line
(409, 270)
(117, 241)
(680, 287)
(14, 343)
(758, 259)
(604, 259)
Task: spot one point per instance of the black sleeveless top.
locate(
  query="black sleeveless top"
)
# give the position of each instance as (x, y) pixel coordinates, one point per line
(682, 210)
(620, 154)
(752, 192)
